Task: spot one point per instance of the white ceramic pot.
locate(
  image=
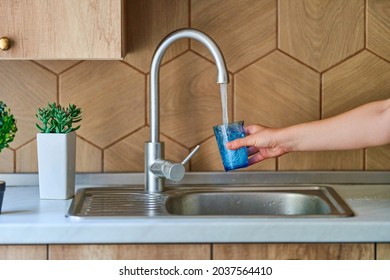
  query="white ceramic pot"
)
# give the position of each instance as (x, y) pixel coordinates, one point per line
(56, 165)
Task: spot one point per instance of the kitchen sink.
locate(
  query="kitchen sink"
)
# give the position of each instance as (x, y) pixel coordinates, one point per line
(210, 201)
(247, 203)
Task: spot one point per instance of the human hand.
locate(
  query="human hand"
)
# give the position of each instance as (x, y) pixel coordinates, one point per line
(262, 143)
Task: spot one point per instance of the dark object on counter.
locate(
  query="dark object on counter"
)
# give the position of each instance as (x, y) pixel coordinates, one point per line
(2, 189)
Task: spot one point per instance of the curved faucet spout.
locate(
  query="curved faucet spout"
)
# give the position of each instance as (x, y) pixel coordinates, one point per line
(156, 168)
(222, 75)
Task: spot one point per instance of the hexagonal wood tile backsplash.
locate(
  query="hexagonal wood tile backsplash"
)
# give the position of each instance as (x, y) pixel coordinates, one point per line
(289, 62)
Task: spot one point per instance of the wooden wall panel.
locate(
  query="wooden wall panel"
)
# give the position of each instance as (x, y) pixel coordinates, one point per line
(378, 27)
(378, 158)
(25, 86)
(27, 158)
(321, 33)
(363, 78)
(7, 160)
(148, 22)
(89, 158)
(245, 30)
(128, 154)
(277, 91)
(289, 62)
(111, 96)
(57, 66)
(190, 104)
(329, 160)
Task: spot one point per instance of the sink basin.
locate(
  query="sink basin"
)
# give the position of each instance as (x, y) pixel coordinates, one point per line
(248, 203)
(210, 201)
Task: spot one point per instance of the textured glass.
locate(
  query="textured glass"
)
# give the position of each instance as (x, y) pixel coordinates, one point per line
(231, 159)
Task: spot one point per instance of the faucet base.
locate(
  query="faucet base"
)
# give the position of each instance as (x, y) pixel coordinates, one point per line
(153, 152)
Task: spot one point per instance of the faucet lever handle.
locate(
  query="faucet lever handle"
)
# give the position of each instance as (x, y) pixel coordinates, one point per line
(193, 152)
(171, 170)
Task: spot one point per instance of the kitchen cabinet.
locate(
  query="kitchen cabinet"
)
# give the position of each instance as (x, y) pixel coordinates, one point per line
(383, 251)
(23, 252)
(131, 252)
(280, 251)
(62, 29)
(286, 251)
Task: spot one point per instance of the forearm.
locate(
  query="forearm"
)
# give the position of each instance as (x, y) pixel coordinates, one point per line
(365, 126)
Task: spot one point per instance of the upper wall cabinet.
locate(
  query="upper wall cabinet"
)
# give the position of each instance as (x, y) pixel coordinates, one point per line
(61, 29)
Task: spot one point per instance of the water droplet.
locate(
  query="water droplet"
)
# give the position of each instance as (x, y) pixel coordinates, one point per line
(271, 203)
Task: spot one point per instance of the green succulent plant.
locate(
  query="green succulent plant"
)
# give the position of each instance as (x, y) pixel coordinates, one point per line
(7, 126)
(58, 119)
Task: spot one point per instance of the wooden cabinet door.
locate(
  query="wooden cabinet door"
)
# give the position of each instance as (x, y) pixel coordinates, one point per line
(131, 252)
(23, 252)
(62, 29)
(318, 251)
(383, 251)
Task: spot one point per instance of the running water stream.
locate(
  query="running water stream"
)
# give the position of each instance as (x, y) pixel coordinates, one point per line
(223, 89)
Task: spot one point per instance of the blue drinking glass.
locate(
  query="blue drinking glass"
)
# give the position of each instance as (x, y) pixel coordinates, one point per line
(231, 159)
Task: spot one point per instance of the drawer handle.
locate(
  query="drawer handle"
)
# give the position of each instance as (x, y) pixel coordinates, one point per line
(5, 43)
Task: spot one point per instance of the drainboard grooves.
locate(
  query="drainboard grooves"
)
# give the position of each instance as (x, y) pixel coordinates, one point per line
(121, 204)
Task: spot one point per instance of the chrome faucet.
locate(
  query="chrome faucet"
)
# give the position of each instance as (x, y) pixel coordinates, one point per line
(157, 169)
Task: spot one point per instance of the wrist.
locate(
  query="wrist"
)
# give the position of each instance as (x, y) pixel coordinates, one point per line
(287, 139)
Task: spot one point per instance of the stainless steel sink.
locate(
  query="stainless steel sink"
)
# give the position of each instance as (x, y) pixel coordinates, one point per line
(247, 203)
(210, 201)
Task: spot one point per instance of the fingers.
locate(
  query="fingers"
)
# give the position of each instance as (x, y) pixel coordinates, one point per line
(252, 151)
(256, 158)
(262, 154)
(252, 129)
(238, 143)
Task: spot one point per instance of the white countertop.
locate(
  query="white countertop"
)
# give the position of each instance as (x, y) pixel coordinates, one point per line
(25, 219)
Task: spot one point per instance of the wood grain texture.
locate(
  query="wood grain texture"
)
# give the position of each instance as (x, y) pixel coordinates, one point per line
(277, 91)
(27, 158)
(362, 79)
(111, 95)
(23, 252)
(88, 157)
(148, 22)
(321, 33)
(383, 251)
(190, 103)
(7, 161)
(245, 30)
(378, 158)
(71, 29)
(25, 87)
(333, 160)
(130, 252)
(378, 27)
(304, 251)
(128, 154)
(57, 66)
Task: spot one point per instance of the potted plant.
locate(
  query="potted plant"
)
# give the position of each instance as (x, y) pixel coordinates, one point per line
(7, 134)
(57, 150)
